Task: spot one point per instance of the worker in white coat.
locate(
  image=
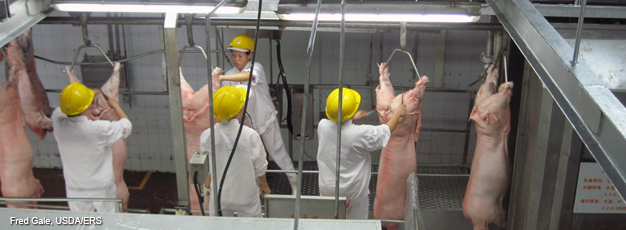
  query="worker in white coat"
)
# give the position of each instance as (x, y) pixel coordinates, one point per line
(85, 148)
(260, 108)
(357, 141)
(239, 193)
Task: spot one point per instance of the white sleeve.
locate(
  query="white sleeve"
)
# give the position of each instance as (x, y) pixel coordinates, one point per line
(257, 153)
(113, 131)
(375, 137)
(258, 73)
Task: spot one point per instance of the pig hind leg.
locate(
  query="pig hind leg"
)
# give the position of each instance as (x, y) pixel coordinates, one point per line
(119, 159)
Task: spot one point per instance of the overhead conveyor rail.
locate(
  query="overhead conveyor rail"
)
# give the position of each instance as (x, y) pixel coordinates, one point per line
(594, 112)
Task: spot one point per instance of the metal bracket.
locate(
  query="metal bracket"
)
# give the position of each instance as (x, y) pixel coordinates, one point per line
(192, 44)
(402, 44)
(83, 19)
(403, 35)
(407, 53)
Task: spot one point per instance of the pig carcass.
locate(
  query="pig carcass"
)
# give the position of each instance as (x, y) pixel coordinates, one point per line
(33, 96)
(490, 175)
(397, 159)
(16, 155)
(196, 119)
(100, 110)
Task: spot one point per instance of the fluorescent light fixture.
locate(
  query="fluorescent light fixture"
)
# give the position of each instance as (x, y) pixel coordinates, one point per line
(354, 17)
(170, 20)
(148, 8)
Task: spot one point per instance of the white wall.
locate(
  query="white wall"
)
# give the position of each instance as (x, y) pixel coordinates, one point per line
(150, 145)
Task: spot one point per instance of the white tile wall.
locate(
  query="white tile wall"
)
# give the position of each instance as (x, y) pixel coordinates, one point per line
(150, 145)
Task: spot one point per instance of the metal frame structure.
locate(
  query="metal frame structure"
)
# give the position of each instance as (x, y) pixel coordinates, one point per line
(594, 112)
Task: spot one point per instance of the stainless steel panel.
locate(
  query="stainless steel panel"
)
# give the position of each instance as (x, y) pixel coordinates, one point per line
(315, 207)
(297, 99)
(125, 221)
(603, 51)
(412, 210)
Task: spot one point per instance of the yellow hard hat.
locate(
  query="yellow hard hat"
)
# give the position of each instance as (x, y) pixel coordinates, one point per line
(242, 43)
(227, 101)
(75, 98)
(350, 104)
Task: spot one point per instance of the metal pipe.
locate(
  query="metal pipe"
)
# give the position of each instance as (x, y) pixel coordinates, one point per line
(579, 30)
(58, 207)
(307, 79)
(119, 201)
(155, 93)
(342, 42)
(271, 63)
(117, 42)
(207, 29)
(279, 24)
(436, 90)
(468, 128)
(290, 171)
(110, 38)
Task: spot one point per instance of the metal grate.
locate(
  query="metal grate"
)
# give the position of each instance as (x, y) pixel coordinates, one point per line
(442, 192)
(436, 192)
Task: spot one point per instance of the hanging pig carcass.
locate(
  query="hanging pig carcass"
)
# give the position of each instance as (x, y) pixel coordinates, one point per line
(33, 96)
(397, 159)
(16, 155)
(196, 119)
(491, 170)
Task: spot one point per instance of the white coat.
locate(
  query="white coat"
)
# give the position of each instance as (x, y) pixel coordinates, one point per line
(355, 172)
(263, 115)
(261, 108)
(240, 192)
(85, 148)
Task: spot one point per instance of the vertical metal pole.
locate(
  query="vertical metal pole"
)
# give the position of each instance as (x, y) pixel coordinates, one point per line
(579, 29)
(307, 82)
(176, 109)
(209, 69)
(342, 42)
(271, 64)
(468, 128)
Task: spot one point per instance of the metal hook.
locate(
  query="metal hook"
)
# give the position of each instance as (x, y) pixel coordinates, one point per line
(402, 45)
(410, 57)
(182, 53)
(83, 20)
(188, 21)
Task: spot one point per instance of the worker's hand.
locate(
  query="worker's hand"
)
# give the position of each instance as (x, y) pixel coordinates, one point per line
(401, 110)
(112, 102)
(206, 191)
(265, 190)
(382, 70)
(361, 114)
(215, 75)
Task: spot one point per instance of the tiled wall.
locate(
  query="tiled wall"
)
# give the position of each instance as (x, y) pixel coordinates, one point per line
(150, 145)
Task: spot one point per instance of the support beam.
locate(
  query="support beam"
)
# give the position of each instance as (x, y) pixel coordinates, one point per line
(24, 14)
(591, 108)
(176, 109)
(440, 56)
